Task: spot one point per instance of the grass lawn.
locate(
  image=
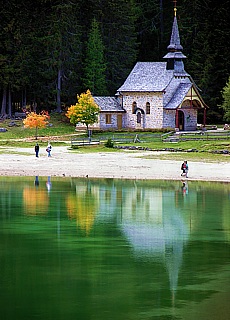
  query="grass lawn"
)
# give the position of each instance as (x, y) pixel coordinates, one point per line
(60, 131)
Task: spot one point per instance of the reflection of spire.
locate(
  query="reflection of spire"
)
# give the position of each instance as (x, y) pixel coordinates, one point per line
(176, 235)
(162, 239)
(173, 261)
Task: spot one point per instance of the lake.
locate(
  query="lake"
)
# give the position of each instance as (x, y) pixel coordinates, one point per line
(106, 249)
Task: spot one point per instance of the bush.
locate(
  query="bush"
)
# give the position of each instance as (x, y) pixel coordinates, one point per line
(109, 143)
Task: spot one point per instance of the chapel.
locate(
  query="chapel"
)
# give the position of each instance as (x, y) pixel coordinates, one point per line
(155, 95)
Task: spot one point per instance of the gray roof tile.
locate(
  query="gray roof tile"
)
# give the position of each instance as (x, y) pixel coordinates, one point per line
(108, 104)
(177, 96)
(147, 76)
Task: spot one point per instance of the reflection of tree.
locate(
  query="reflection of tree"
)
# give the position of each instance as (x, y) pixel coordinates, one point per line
(36, 201)
(82, 207)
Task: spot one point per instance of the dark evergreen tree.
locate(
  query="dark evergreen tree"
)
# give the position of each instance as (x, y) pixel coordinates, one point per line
(41, 45)
(94, 66)
(150, 29)
(12, 34)
(59, 47)
(205, 35)
(118, 26)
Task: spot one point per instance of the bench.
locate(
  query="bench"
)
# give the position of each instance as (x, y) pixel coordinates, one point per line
(20, 115)
(75, 143)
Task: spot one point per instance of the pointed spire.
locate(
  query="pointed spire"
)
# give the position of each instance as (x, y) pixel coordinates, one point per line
(175, 56)
(175, 37)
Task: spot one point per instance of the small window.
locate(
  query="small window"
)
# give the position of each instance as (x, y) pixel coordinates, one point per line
(147, 108)
(108, 118)
(134, 107)
(139, 117)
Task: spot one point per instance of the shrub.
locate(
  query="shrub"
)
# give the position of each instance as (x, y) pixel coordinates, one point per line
(109, 143)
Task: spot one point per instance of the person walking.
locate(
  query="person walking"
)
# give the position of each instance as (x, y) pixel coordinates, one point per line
(184, 168)
(48, 150)
(36, 148)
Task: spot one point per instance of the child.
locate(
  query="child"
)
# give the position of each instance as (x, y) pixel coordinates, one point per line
(48, 150)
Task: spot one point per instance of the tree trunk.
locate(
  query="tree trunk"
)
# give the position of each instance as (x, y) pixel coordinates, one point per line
(9, 103)
(36, 133)
(3, 109)
(24, 100)
(59, 91)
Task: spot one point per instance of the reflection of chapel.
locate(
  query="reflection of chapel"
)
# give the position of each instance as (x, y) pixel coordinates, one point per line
(155, 95)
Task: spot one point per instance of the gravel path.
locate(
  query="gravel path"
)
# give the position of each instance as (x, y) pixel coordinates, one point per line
(129, 165)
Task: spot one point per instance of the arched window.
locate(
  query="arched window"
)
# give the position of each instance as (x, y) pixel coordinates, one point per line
(134, 107)
(147, 108)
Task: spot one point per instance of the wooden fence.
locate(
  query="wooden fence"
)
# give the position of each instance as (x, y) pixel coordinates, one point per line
(116, 138)
(128, 138)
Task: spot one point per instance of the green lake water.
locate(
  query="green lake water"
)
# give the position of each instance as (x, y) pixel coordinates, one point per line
(108, 249)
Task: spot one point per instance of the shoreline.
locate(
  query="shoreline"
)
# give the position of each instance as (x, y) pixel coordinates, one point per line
(117, 165)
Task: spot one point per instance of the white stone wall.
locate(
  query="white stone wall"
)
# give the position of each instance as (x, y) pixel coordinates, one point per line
(169, 119)
(154, 120)
(113, 124)
(190, 119)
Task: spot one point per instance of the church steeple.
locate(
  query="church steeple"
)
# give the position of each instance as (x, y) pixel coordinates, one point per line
(175, 56)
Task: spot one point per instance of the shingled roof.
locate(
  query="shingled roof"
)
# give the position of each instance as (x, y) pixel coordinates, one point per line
(109, 104)
(178, 96)
(154, 77)
(147, 76)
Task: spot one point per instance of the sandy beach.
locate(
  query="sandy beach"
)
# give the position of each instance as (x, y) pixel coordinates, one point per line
(125, 165)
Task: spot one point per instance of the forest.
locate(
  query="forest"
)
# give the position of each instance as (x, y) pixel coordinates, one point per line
(53, 50)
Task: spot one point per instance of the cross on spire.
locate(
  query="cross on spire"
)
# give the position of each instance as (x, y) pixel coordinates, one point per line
(175, 8)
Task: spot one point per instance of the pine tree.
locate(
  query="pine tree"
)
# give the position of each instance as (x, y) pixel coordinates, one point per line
(204, 31)
(60, 53)
(95, 67)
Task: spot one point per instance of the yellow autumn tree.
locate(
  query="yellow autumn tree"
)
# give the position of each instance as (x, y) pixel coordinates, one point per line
(82, 208)
(34, 120)
(85, 111)
(36, 201)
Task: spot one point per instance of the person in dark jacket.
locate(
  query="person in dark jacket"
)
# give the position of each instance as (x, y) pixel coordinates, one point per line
(36, 148)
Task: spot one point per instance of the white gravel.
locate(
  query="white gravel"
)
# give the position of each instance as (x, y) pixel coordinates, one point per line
(126, 165)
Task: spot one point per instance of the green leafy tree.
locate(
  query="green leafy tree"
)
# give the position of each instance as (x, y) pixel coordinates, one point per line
(226, 100)
(86, 111)
(95, 67)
